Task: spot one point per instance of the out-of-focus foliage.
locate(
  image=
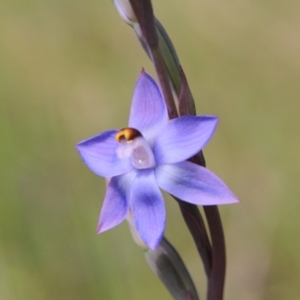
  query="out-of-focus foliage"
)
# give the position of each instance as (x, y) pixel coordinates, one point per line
(67, 72)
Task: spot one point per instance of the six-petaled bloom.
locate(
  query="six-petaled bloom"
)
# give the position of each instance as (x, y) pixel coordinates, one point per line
(150, 154)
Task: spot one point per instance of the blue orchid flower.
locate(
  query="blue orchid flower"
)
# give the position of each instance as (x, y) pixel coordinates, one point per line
(151, 154)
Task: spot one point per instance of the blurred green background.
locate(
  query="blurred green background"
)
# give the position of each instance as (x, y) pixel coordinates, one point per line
(67, 72)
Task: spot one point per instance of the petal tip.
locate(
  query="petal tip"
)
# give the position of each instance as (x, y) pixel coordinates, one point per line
(154, 245)
(146, 76)
(234, 200)
(223, 201)
(214, 121)
(99, 229)
(102, 228)
(231, 198)
(78, 146)
(154, 242)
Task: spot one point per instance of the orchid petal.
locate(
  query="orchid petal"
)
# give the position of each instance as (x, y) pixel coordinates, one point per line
(115, 205)
(183, 137)
(148, 110)
(100, 154)
(194, 184)
(148, 209)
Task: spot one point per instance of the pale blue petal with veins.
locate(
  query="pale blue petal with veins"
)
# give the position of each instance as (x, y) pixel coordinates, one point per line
(149, 155)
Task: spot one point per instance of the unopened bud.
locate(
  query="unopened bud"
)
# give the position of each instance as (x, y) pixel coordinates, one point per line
(168, 266)
(125, 10)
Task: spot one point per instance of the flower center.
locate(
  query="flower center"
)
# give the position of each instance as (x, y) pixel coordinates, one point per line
(135, 148)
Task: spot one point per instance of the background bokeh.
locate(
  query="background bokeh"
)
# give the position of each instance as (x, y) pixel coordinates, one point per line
(67, 71)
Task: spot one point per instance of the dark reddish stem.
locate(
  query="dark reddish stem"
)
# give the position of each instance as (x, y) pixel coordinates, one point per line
(144, 14)
(195, 224)
(216, 277)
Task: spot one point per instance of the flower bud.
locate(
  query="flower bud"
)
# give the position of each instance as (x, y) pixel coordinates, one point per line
(125, 10)
(169, 267)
